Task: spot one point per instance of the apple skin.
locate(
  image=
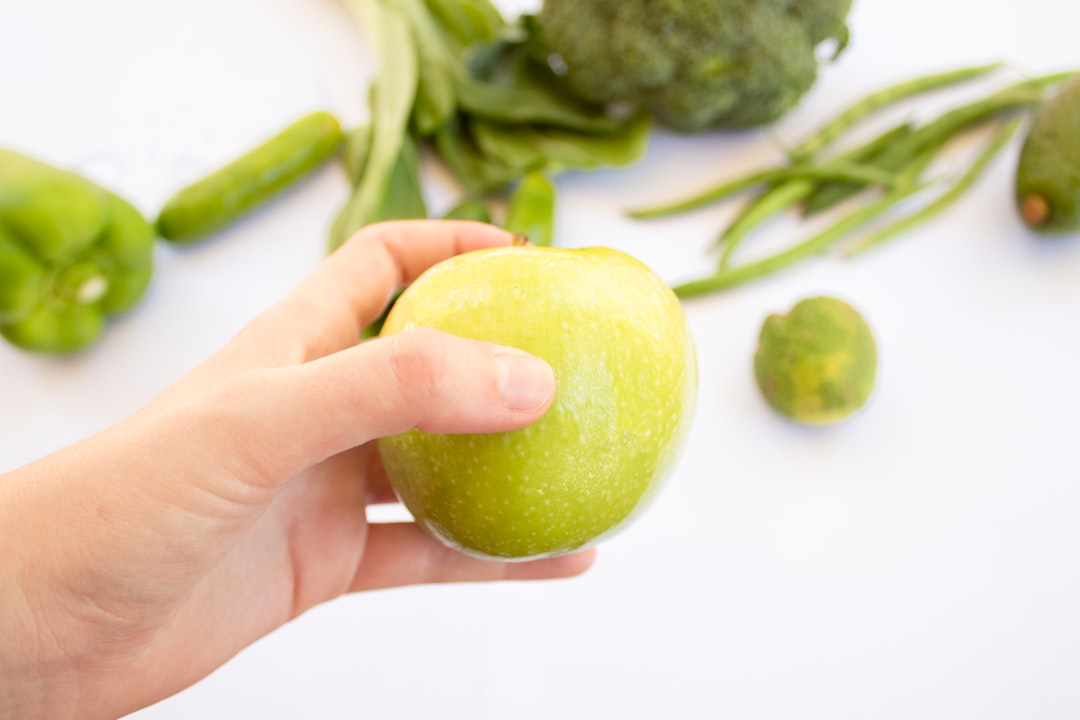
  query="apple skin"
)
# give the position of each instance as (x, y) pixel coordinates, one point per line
(626, 376)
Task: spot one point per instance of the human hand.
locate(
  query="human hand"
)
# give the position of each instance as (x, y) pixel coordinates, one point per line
(141, 559)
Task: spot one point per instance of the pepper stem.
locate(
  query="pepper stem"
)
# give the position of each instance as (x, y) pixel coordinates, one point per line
(83, 282)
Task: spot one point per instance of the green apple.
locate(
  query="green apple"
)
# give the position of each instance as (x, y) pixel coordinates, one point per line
(626, 377)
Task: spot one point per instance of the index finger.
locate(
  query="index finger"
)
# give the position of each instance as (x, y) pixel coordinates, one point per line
(330, 308)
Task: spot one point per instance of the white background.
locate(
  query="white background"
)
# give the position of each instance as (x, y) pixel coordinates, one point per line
(919, 561)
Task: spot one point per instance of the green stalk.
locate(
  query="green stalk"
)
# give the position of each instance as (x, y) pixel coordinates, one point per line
(393, 92)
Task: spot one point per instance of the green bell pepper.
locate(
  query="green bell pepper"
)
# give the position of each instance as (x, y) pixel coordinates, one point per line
(71, 254)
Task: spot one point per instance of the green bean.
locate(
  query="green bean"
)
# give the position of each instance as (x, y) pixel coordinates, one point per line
(836, 169)
(787, 194)
(1021, 96)
(772, 202)
(946, 198)
(725, 279)
(881, 99)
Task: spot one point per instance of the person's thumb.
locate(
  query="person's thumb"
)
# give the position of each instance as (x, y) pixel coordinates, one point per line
(420, 378)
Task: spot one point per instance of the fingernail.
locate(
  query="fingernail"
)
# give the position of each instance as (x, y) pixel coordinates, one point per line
(525, 382)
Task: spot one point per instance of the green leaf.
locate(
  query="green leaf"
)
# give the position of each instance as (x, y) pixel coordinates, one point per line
(477, 172)
(471, 208)
(507, 145)
(567, 150)
(402, 199)
(532, 209)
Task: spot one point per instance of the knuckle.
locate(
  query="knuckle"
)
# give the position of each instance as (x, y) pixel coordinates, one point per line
(418, 360)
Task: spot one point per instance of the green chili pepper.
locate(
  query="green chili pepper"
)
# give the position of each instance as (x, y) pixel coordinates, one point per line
(71, 254)
(532, 209)
(231, 192)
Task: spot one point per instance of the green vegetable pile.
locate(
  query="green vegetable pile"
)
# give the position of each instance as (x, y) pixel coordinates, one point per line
(694, 63)
(887, 171)
(505, 106)
(455, 77)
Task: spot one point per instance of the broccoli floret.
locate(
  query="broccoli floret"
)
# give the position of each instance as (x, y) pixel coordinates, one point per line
(694, 63)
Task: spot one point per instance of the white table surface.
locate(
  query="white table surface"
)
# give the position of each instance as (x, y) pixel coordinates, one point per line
(920, 561)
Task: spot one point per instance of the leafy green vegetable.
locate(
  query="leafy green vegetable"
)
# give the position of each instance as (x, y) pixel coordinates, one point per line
(456, 77)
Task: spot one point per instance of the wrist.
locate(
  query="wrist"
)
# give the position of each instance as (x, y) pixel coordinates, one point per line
(37, 677)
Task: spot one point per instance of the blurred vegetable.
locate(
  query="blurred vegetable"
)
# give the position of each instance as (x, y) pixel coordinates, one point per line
(71, 254)
(893, 163)
(1048, 173)
(942, 202)
(532, 209)
(244, 184)
(818, 364)
(695, 64)
(459, 80)
(469, 209)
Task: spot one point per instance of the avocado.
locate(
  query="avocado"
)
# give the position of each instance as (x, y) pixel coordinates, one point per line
(1048, 173)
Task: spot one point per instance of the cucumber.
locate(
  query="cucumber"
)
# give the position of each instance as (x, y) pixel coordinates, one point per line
(229, 193)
